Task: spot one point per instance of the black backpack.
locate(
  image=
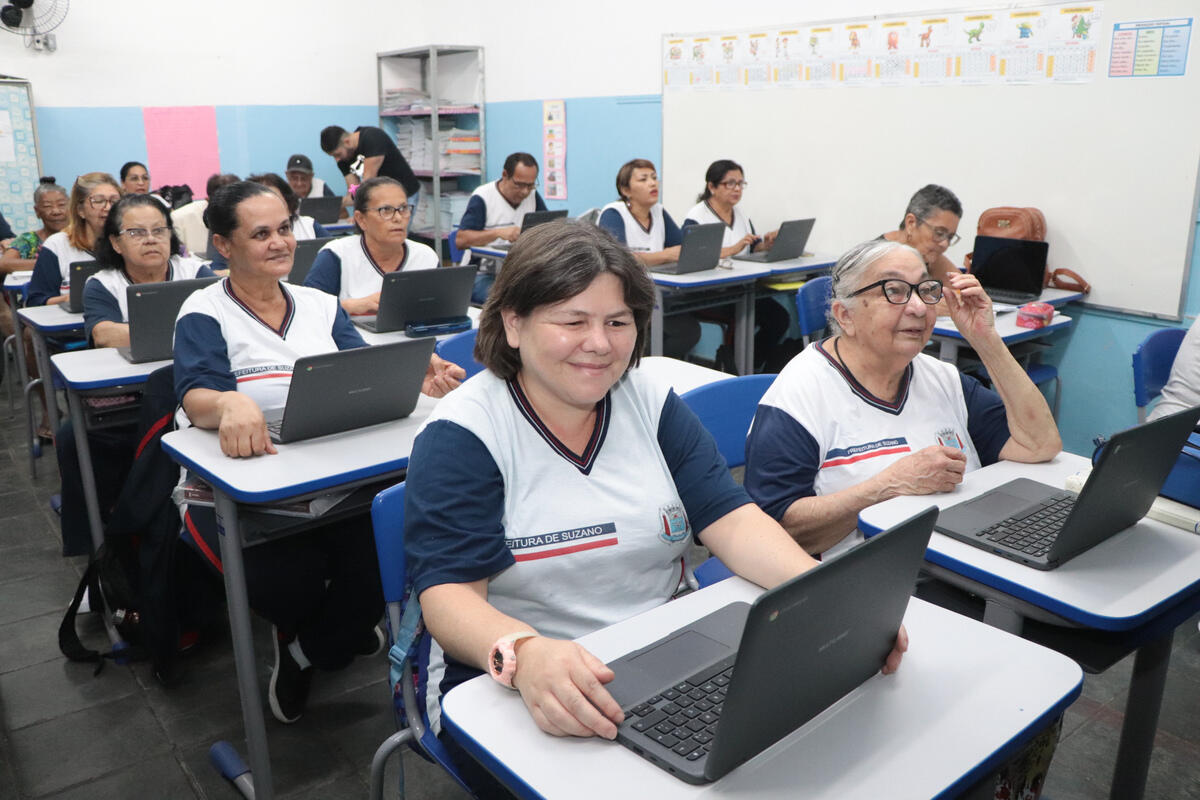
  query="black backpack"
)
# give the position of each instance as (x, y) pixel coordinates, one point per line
(148, 587)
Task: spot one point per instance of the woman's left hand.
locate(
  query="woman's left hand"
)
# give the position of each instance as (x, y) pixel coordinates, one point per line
(442, 376)
(969, 305)
(893, 660)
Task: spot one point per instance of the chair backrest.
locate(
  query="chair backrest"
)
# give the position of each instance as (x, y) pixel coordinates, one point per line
(812, 305)
(592, 215)
(1152, 361)
(460, 348)
(387, 518)
(458, 257)
(726, 408)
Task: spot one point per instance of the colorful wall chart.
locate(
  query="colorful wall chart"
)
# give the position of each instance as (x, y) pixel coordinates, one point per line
(1035, 44)
(554, 149)
(1152, 49)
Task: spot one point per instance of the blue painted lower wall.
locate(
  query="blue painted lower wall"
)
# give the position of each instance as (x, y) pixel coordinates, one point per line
(602, 133)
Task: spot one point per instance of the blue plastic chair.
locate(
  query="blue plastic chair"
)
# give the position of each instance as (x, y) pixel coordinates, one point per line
(1152, 361)
(812, 306)
(460, 348)
(405, 634)
(457, 256)
(726, 409)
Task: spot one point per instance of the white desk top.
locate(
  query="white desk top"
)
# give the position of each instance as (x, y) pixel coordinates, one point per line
(1006, 326)
(17, 280)
(1059, 297)
(963, 691)
(1117, 585)
(51, 318)
(801, 264)
(740, 272)
(315, 464)
(101, 367)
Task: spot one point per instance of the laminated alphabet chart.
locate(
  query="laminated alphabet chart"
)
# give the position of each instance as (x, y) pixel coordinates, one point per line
(1042, 43)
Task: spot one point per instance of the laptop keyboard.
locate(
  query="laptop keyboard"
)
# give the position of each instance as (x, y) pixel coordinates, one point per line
(1012, 298)
(683, 718)
(1034, 533)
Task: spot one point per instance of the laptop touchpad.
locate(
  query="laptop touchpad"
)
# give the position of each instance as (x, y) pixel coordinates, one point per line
(640, 675)
(983, 512)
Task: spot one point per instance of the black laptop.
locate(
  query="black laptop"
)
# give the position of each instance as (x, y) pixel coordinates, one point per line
(324, 210)
(1009, 270)
(532, 220)
(423, 302)
(80, 272)
(799, 649)
(347, 389)
(701, 250)
(152, 309)
(303, 258)
(790, 243)
(1044, 527)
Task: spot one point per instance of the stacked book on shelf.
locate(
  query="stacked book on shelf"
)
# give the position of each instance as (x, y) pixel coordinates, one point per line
(459, 149)
(403, 100)
(452, 205)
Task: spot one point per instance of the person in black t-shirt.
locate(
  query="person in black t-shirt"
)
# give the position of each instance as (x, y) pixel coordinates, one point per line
(366, 153)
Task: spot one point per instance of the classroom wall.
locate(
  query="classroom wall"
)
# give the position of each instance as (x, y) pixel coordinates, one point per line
(279, 70)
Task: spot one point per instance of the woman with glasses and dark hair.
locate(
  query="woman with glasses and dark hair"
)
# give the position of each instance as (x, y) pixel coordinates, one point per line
(135, 178)
(557, 492)
(352, 267)
(864, 415)
(723, 185)
(91, 197)
(138, 245)
(930, 226)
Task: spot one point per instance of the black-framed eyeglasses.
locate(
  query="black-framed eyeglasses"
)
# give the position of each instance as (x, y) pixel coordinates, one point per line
(731, 185)
(525, 186)
(898, 292)
(97, 201)
(140, 234)
(942, 235)
(387, 212)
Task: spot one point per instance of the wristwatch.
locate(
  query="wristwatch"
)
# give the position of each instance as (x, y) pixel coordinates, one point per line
(502, 660)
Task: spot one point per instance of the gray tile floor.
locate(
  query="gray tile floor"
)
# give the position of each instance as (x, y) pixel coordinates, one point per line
(67, 734)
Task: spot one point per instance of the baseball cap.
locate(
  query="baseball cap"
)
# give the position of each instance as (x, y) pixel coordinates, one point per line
(299, 163)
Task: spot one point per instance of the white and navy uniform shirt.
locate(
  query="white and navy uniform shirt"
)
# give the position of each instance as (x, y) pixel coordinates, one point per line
(305, 228)
(52, 269)
(488, 209)
(345, 268)
(702, 214)
(221, 344)
(817, 430)
(568, 542)
(105, 298)
(662, 233)
(320, 189)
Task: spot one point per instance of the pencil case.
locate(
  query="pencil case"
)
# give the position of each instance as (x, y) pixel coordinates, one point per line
(1034, 315)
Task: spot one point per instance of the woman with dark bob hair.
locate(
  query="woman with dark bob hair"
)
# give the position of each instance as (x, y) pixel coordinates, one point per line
(137, 245)
(235, 345)
(563, 435)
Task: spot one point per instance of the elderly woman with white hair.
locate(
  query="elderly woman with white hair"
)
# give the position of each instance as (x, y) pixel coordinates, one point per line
(864, 415)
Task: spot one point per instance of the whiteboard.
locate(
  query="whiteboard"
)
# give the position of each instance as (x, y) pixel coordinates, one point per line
(20, 160)
(1113, 163)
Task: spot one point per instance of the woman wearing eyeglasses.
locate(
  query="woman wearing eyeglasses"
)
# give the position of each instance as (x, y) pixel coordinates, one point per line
(930, 226)
(91, 197)
(138, 245)
(723, 185)
(352, 268)
(864, 416)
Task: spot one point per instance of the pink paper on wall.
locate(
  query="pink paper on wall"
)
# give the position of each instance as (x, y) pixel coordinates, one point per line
(181, 145)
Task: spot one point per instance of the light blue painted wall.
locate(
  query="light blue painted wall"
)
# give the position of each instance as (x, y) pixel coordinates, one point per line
(602, 134)
(250, 138)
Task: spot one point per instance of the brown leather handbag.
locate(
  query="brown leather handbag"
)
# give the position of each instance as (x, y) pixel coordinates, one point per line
(1013, 222)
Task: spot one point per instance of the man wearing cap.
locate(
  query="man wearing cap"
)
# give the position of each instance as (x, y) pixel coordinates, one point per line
(300, 178)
